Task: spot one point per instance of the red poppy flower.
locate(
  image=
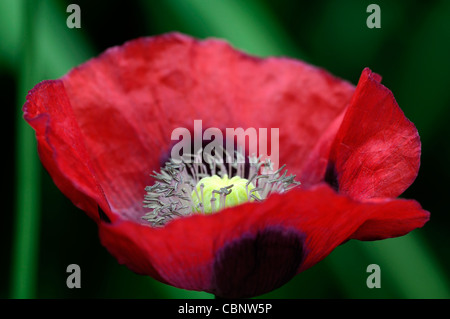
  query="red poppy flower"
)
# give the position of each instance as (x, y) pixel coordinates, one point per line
(106, 125)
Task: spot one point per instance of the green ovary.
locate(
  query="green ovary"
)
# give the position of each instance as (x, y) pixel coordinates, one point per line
(237, 196)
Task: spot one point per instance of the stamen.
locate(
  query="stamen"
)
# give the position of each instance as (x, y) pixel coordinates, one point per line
(184, 188)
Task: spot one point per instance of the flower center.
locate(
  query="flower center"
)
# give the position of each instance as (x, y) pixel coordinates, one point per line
(214, 193)
(184, 188)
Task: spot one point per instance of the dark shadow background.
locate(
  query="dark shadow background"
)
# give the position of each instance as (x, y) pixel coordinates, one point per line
(411, 51)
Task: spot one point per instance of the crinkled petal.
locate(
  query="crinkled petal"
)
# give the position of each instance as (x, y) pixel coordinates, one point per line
(61, 146)
(376, 153)
(254, 248)
(128, 101)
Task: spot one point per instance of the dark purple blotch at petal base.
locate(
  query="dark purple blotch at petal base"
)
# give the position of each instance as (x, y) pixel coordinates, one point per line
(257, 263)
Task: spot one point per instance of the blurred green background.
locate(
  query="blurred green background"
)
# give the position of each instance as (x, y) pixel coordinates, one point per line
(42, 232)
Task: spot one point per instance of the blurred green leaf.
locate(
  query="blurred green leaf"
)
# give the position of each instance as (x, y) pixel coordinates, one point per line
(410, 265)
(348, 263)
(248, 25)
(423, 83)
(59, 48)
(11, 31)
(45, 49)
(27, 200)
(408, 269)
(343, 44)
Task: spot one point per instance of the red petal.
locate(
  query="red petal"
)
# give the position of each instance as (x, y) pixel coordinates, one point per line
(401, 217)
(377, 149)
(61, 147)
(301, 100)
(184, 253)
(128, 101)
